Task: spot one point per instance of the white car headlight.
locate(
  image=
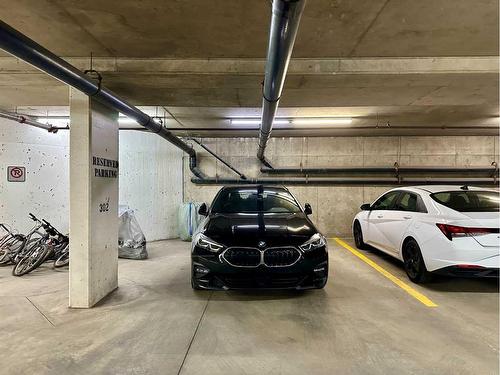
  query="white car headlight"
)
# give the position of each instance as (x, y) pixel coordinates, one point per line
(207, 243)
(316, 241)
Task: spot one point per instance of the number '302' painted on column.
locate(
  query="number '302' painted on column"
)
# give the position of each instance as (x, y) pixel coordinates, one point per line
(104, 207)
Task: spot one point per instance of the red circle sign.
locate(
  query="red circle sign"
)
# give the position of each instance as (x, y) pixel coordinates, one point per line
(16, 172)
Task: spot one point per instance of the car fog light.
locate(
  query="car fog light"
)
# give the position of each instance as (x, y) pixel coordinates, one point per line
(201, 270)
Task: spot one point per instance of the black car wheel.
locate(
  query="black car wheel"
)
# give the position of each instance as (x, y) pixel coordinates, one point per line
(358, 236)
(414, 263)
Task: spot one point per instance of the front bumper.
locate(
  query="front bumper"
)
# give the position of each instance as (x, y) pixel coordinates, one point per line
(211, 272)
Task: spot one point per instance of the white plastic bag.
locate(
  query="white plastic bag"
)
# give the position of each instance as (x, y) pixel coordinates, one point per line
(131, 239)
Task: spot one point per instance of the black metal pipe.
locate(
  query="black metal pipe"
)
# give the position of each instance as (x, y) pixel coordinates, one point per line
(24, 48)
(332, 181)
(284, 25)
(377, 170)
(242, 176)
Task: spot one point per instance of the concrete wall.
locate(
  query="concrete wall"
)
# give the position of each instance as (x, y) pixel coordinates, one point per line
(334, 207)
(45, 192)
(150, 178)
(151, 182)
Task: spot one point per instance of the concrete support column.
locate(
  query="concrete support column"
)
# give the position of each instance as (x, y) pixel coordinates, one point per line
(93, 269)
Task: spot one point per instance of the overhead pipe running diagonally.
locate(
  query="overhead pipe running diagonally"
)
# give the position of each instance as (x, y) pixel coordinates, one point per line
(22, 119)
(284, 25)
(242, 176)
(24, 48)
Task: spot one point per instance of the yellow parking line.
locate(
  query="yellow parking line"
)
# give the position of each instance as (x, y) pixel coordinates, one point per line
(412, 292)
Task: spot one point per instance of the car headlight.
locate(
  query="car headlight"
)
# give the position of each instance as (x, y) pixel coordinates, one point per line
(207, 243)
(314, 242)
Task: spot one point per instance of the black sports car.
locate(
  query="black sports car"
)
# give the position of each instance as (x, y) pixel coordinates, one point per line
(257, 237)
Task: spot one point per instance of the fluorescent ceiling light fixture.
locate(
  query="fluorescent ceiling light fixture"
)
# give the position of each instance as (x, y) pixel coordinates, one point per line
(322, 121)
(256, 121)
(296, 121)
(54, 121)
(126, 121)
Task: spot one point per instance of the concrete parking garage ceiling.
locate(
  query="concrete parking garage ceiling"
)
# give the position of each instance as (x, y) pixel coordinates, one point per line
(404, 63)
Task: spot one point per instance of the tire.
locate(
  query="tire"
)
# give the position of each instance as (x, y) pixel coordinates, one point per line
(414, 263)
(358, 236)
(63, 259)
(32, 259)
(19, 253)
(9, 251)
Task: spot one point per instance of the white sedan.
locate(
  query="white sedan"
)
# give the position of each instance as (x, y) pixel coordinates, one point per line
(440, 229)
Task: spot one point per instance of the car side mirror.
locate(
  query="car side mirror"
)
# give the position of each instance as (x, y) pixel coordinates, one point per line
(366, 207)
(203, 210)
(307, 209)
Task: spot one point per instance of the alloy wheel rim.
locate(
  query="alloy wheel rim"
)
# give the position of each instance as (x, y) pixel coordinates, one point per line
(412, 261)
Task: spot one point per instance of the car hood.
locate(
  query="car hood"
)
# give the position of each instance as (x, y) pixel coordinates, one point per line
(250, 229)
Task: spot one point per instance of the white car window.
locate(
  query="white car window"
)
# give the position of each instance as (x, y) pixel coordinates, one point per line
(469, 201)
(386, 201)
(410, 202)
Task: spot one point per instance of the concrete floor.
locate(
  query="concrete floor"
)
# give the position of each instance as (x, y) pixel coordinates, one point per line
(361, 323)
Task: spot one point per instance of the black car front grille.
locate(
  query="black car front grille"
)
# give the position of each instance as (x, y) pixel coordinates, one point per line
(251, 257)
(242, 257)
(281, 257)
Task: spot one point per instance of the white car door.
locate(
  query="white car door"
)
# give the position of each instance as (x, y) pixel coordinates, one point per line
(379, 219)
(408, 208)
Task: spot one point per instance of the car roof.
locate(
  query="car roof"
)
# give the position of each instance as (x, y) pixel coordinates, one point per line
(441, 188)
(254, 187)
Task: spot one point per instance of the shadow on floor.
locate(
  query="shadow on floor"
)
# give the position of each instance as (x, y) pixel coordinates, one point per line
(261, 294)
(441, 283)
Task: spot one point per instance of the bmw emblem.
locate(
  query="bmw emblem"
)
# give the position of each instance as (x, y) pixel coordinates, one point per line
(262, 244)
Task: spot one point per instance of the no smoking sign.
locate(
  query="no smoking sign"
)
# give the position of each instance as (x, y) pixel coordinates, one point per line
(16, 174)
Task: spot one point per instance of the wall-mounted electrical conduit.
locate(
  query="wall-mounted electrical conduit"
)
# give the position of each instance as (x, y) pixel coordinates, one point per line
(23, 119)
(24, 48)
(396, 170)
(348, 181)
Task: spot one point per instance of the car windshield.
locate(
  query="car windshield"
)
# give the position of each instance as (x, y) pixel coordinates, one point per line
(252, 200)
(469, 201)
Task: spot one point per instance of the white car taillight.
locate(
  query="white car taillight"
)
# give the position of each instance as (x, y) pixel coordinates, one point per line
(453, 231)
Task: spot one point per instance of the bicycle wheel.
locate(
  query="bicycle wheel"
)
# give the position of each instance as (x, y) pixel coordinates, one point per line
(9, 249)
(16, 256)
(32, 260)
(63, 259)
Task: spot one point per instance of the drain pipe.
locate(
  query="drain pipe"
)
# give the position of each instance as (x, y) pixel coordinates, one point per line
(24, 48)
(242, 176)
(284, 25)
(25, 120)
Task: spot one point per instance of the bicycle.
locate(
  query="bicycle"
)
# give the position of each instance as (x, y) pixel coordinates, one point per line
(23, 243)
(51, 243)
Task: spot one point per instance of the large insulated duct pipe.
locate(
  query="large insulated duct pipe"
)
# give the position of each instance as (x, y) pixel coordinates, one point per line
(24, 48)
(26, 120)
(284, 25)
